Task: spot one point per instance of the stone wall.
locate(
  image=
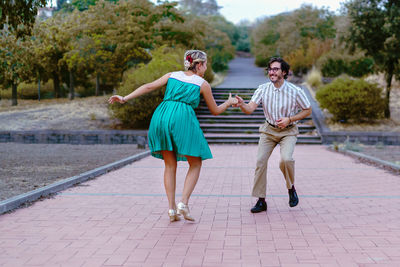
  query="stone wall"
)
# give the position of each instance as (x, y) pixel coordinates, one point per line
(76, 137)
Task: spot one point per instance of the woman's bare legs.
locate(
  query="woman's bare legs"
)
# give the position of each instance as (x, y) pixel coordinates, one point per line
(191, 177)
(170, 176)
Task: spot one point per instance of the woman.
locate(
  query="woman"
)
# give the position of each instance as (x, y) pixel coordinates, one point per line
(174, 132)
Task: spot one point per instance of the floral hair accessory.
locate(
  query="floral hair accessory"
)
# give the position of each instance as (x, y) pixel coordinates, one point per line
(189, 58)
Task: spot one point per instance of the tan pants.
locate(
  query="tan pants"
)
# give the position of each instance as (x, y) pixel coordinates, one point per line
(269, 138)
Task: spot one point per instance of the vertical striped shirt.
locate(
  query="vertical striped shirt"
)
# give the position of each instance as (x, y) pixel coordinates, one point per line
(281, 102)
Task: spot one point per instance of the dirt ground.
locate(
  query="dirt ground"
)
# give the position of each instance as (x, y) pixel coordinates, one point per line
(25, 167)
(90, 113)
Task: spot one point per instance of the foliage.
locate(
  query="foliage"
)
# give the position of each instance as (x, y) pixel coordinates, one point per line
(297, 34)
(30, 90)
(302, 59)
(137, 113)
(314, 78)
(375, 28)
(200, 7)
(19, 16)
(14, 63)
(333, 65)
(348, 99)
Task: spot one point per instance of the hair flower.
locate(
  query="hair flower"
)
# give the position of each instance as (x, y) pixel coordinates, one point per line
(189, 58)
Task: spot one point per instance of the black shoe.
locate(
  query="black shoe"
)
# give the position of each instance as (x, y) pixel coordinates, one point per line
(260, 206)
(293, 198)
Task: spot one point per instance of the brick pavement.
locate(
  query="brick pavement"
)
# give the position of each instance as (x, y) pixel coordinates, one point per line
(348, 215)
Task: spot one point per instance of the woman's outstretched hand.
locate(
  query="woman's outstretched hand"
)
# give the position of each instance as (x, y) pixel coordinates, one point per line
(232, 100)
(116, 98)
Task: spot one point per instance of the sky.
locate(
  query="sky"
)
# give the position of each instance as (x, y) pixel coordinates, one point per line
(237, 10)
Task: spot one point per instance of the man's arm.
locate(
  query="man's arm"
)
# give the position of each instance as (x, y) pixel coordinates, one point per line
(246, 108)
(283, 122)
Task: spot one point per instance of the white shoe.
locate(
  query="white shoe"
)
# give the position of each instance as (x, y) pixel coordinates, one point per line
(184, 210)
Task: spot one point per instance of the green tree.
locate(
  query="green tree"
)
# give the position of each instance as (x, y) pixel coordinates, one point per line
(375, 28)
(200, 7)
(19, 15)
(14, 65)
(292, 32)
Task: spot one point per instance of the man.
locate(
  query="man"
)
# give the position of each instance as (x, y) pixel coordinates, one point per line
(281, 102)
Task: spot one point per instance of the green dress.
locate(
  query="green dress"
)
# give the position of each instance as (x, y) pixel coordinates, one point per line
(174, 126)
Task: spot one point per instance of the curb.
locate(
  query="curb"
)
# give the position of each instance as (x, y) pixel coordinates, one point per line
(377, 162)
(17, 201)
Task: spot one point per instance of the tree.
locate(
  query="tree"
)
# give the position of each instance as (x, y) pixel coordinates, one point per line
(375, 28)
(200, 7)
(285, 33)
(19, 15)
(14, 65)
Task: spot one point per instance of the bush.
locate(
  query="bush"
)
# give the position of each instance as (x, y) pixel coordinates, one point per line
(348, 99)
(30, 91)
(220, 60)
(360, 67)
(137, 112)
(335, 65)
(314, 78)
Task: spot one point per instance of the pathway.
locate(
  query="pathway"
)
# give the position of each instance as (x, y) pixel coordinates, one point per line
(348, 215)
(243, 73)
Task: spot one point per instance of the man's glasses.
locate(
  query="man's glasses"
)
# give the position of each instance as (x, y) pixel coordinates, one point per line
(274, 70)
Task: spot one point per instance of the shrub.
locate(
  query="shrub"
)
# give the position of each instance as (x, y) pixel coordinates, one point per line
(137, 112)
(335, 65)
(360, 67)
(314, 78)
(30, 91)
(348, 99)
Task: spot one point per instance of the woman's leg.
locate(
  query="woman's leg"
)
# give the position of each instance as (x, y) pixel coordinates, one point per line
(170, 176)
(191, 177)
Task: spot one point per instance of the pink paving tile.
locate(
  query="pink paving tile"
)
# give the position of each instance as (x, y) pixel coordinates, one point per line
(348, 216)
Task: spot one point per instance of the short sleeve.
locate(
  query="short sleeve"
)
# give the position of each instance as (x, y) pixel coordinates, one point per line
(257, 96)
(302, 99)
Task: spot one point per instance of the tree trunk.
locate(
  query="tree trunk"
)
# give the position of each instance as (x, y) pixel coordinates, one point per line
(39, 88)
(389, 77)
(56, 82)
(14, 101)
(97, 84)
(71, 86)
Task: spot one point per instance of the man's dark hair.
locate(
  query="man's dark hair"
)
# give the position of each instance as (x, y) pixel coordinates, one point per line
(284, 65)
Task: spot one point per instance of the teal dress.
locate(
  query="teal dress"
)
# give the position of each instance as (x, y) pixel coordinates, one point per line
(174, 126)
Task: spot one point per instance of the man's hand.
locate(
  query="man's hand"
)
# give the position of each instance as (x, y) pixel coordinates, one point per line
(239, 103)
(283, 122)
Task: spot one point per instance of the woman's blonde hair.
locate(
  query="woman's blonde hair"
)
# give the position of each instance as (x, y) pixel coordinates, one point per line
(192, 58)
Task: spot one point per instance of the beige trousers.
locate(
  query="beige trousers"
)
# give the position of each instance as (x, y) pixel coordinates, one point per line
(269, 138)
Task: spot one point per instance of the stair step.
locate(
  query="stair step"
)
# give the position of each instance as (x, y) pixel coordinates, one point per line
(243, 128)
(245, 141)
(253, 138)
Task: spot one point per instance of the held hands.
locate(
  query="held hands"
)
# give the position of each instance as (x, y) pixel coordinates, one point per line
(232, 101)
(240, 102)
(116, 98)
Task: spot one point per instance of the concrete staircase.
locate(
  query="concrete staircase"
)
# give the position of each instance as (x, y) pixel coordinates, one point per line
(233, 126)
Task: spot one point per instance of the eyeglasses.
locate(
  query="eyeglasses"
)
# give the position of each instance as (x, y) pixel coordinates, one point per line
(274, 70)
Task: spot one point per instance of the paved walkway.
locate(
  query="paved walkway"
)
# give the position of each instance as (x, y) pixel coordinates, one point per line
(348, 215)
(243, 73)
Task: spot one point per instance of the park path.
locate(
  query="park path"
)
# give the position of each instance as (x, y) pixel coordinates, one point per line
(348, 215)
(243, 73)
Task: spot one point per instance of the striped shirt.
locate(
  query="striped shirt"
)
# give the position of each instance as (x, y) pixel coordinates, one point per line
(280, 102)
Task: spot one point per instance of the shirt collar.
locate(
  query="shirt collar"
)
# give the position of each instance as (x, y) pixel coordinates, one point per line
(280, 88)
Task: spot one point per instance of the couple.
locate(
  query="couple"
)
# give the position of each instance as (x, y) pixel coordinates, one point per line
(175, 133)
